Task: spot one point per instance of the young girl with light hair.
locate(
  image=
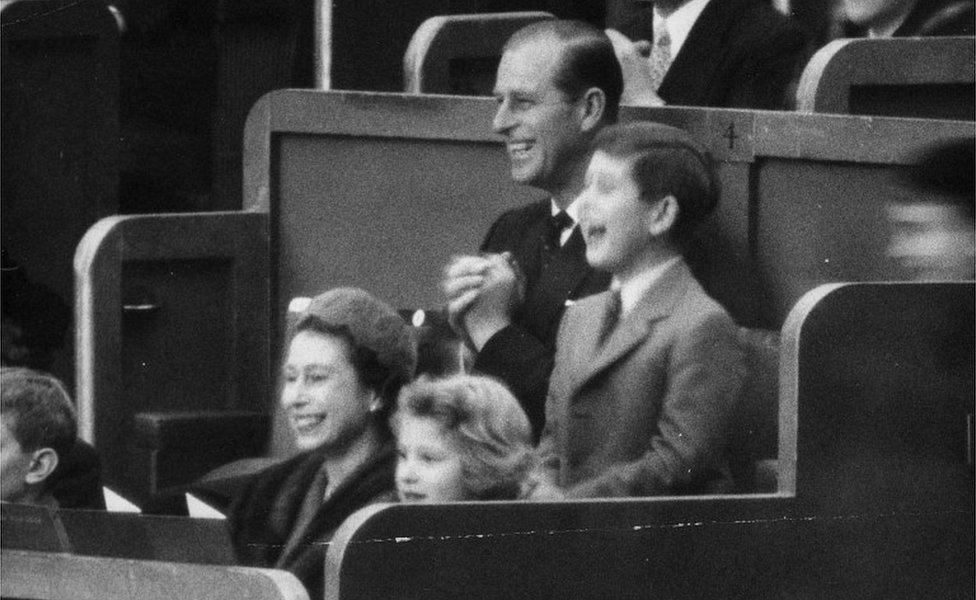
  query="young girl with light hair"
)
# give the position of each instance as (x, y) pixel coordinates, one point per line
(463, 437)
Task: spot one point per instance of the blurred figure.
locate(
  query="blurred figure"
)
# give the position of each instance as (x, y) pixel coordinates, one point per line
(347, 356)
(906, 18)
(932, 242)
(719, 53)
(936, 241)
(460, 438)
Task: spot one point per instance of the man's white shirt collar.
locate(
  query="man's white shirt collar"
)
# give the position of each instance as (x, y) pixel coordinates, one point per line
(634, 288)
(572, 210)
(680, 22)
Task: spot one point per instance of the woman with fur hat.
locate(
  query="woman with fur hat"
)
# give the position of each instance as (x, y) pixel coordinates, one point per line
(346, 358)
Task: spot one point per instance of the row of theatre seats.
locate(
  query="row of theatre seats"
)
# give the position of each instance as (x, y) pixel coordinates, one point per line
(865, 419)
(65, 142)
(863, 392)
(873, 498)
(896, 77)
(178, 317)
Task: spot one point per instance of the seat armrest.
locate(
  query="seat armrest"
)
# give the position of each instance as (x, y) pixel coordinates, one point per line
(203, 429)
(176, 448)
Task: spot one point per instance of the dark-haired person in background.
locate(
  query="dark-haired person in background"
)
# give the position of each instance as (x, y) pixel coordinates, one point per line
(41, 459)
(558, 83)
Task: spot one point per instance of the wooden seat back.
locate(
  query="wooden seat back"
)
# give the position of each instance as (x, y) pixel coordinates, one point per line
(380, 190)
(874, 492)
(54, 576)
(884, 383)
(922, 78)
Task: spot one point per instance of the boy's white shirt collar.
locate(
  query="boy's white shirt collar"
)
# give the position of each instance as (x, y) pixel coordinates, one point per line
(634, 288)
(680, 22)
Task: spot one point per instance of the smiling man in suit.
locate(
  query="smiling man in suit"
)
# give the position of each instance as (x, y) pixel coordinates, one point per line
(558, 84)
(646, 374)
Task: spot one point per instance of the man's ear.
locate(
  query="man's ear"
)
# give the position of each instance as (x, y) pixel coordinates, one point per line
(43, 463)
(663, 215)
(593, 105)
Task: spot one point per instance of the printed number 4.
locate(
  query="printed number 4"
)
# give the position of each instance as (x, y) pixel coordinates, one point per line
(730, 135)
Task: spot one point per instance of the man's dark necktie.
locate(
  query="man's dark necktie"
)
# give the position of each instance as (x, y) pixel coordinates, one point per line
(558, 223)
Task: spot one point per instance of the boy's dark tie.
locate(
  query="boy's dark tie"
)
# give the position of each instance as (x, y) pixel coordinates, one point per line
(611, 315)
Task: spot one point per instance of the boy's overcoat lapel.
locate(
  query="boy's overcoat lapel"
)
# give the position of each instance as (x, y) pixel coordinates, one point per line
(633, 329)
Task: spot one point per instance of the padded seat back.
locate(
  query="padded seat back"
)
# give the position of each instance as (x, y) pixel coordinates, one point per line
(921, 78)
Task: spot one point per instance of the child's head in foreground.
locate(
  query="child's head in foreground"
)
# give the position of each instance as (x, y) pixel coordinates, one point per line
(647, 188)
(463, 437)
(37, 427)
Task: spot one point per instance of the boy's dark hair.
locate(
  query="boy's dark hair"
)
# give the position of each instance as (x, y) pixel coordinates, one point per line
(41, 411)
(588, 60)
(666, 160)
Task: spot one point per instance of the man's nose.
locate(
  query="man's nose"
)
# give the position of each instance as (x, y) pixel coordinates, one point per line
(503, 118)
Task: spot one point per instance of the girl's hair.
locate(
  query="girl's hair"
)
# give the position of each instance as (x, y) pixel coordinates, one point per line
(483, 422)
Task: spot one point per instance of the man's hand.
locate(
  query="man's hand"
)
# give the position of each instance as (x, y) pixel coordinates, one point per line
(463, 278)
(540, 490)
(502, 291)
(482, 293)
(636, 66)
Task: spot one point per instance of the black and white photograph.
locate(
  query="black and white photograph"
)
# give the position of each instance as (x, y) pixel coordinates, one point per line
(454, 299)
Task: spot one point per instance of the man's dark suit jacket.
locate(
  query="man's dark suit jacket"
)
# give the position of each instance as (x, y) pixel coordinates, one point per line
(521, 354)
(738, 54)
(930, 18)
